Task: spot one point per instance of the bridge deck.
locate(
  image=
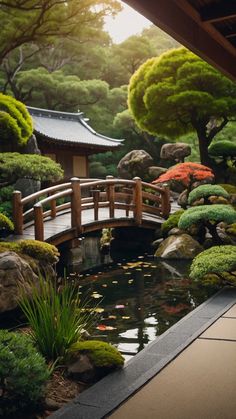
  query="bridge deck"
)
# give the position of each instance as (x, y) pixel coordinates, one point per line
(54, 228)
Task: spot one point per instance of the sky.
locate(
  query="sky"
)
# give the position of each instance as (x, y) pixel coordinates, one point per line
(126, 23)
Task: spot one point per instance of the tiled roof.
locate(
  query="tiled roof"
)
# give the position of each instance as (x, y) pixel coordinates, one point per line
(68, 128)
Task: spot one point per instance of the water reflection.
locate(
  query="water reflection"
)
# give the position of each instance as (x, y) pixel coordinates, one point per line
(140, 299)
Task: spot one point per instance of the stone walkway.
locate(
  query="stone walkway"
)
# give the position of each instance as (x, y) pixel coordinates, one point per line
(199, 383)
(189, 372)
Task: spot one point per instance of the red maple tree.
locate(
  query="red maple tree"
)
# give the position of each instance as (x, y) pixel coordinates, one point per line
(186, 173)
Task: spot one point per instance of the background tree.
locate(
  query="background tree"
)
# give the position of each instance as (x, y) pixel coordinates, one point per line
(39, 21)
(179, 93)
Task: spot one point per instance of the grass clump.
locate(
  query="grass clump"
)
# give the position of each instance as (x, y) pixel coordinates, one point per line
(205, 191)
(171, 222)
(56, 318)
(23, 372)
(102, 354)
(215, 265)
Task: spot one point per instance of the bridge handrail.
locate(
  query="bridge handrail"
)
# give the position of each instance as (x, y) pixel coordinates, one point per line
(133, 200)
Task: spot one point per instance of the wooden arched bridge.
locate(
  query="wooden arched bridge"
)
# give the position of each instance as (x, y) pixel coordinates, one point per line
(88, 205)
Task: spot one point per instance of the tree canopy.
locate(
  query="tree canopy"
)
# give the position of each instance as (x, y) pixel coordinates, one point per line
(178, 93)
(24, 21)
(15, 123)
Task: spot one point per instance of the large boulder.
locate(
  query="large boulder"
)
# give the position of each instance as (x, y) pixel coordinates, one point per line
(179, 247)
(175, 152)
(135, 163)
(15, 272)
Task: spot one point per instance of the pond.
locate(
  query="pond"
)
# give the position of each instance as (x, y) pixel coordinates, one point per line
(137, 300)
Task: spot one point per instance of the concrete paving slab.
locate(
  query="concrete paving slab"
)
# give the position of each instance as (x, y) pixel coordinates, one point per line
(196, 385)
(231, 312)
(224, 328)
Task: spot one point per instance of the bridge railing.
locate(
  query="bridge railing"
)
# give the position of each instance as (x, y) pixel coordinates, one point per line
(133, 196)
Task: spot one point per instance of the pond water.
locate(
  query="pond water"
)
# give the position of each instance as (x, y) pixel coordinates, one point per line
(137, 300)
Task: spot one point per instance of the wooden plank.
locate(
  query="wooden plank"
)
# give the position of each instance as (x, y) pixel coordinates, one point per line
(38, 222)
(138, 200)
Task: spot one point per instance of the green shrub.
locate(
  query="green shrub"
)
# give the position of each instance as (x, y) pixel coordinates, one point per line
(205, 191)
(171, 222)
(23, 372)
(215, 265)
(231, 229)
(15, 123)
(203, 213)
(102, 354)
(6, 225)
(56, 318)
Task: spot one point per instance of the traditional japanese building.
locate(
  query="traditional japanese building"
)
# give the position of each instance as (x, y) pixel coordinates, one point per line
(67, 139)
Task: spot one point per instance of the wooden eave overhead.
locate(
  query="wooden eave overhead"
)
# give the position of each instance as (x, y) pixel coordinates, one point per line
(207, 27)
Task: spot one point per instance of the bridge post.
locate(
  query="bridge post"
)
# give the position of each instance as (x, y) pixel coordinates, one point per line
(17, 212)
(165, 203)
(76, 204)
(38, 222)
(53, 206)
(111, 197)
(96, 196)
(138, 201)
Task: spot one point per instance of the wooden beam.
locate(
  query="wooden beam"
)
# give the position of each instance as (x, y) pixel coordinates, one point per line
(216, 12)
(228, 32)
(173, 19)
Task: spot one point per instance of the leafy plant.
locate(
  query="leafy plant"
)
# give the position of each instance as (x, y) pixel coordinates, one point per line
(216, 265)
(224, 148)
(205, 191)
(23, 372)
(171, 222)
(102, 354)
(231, 189)
(56, 318)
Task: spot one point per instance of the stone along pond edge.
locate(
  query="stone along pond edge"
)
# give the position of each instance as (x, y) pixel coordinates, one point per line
(106, 395)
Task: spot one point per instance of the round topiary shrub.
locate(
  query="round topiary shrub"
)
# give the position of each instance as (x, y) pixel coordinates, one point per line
(102, 354)
(23, 372)
(205, 191)
(171, 222)
(216, 265)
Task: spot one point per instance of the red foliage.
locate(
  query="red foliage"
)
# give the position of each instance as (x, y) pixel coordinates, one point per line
(183, 172)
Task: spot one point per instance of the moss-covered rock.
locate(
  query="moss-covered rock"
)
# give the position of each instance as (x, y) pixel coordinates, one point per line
(93, 359)
(6, 225)
(178, 247)
(43, 252)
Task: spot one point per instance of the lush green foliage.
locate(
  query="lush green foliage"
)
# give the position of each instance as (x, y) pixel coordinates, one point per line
(204, 213)
(15, 123)
(6, 225)
(178, 93)
(14, 166)
(42, 21)
(23, 372)
(102, 354)
(56, 318)
(231, 229)
(205, 191)
(186, 174)
(215, 265)
(171, 222)
(6, 200)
